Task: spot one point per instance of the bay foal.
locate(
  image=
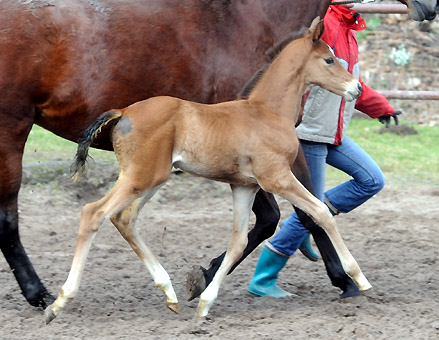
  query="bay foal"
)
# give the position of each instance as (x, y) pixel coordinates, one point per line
(249, 143)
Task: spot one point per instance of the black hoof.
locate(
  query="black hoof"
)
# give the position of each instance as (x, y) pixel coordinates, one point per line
(43, 299)
(195, 282)
(350, 293)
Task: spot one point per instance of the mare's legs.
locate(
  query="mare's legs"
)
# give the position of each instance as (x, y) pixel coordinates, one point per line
(286, 185)
(124, 222)
(13, 134)
(243, 198)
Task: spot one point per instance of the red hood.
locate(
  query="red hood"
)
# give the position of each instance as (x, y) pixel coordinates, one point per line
(352, 19)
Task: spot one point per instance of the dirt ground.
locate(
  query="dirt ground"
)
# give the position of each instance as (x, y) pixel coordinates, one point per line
(393, 237)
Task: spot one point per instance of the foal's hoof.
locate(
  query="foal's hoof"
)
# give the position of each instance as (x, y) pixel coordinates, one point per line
(195, 282)
(173, 307)
(49, 315)
(369, 293)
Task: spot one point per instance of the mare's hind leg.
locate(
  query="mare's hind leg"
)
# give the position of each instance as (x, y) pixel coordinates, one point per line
(92, 216)
(243, 198)
(283, 183)
(124, 222)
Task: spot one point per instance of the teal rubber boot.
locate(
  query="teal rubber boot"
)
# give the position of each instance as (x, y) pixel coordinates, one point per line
(307, 249)
(265, 276)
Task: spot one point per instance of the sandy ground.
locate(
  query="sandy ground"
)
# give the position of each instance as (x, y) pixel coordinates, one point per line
(393, 237)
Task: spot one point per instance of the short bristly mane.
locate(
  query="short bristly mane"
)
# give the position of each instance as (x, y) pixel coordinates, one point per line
(272, 53)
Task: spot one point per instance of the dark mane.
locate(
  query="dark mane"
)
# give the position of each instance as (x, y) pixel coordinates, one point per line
(272, 53)
(245, 92)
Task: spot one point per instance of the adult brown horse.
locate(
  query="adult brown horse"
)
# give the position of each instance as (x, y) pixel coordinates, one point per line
(64, 62)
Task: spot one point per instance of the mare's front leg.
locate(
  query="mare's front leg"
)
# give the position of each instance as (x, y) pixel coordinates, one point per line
(267, 217)
(12, 142)
(243, 198)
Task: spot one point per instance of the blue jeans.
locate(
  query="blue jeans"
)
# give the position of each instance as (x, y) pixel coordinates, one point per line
(367, 180)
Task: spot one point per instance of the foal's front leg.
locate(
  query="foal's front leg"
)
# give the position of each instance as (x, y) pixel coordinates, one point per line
(243, 198)
(267, 216)
(329, 255)
(283, 183)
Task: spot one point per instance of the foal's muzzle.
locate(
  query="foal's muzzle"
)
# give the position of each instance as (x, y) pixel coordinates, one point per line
(353, 91)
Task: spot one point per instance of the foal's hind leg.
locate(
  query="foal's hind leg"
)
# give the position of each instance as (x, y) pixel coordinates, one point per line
(124, 222)
(286, 185)
(92, 216)
(243, 198)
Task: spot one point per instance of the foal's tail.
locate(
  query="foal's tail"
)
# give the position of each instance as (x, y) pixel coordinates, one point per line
(78, 166)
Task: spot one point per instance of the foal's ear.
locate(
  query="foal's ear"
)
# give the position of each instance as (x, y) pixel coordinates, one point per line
(317, 27)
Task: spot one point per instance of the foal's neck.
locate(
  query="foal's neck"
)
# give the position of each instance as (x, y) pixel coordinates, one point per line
(282, 85)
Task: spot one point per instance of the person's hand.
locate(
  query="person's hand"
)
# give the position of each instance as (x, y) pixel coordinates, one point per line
(387, 118)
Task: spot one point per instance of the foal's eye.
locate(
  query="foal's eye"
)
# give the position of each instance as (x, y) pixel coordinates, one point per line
(329, 61)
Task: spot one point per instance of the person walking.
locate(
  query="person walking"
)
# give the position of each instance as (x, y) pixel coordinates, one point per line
(322, 134)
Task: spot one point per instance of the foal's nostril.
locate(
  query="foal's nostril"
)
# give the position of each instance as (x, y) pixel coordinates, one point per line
(359, 87)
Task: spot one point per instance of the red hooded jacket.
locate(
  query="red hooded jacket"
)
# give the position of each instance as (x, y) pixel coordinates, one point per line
(326, 115)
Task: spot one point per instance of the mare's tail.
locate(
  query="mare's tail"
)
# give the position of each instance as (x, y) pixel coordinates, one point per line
(78, 166)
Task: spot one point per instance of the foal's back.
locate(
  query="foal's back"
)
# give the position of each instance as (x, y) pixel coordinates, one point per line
(218, 141)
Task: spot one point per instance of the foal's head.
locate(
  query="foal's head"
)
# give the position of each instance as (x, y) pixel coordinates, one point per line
(320, 66)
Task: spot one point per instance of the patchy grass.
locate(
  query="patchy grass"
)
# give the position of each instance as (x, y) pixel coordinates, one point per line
(404, 159)
(43, 145)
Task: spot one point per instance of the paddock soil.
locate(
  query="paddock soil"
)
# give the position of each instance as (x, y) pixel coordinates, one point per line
(393, 237)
